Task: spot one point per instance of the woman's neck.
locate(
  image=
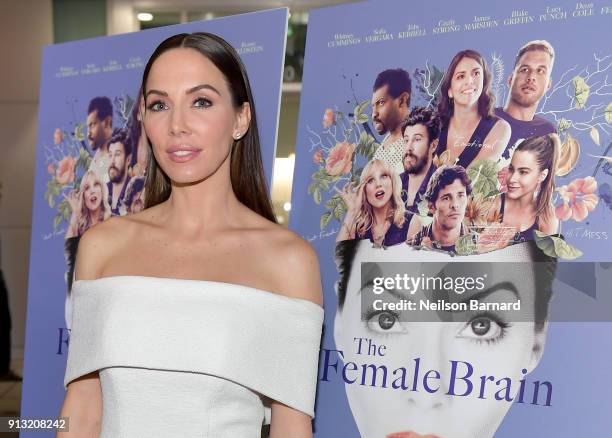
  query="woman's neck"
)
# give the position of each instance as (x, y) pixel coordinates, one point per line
(465, 116)
(379, 214)
(525, 204)
(203, 206)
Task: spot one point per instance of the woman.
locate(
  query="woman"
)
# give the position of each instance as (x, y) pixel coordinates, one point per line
(527, 205)
(89, 205)
(198, 316)
(470, 131)
(375, 210)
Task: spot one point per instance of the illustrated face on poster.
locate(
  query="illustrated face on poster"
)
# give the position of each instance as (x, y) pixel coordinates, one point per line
(494, 343)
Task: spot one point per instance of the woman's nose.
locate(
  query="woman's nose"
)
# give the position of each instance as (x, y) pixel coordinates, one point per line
(177, 122)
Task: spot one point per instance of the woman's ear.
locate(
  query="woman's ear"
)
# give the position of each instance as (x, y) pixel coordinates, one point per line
(537, 350)
(543, 175)
(243, 120)
(141, 109)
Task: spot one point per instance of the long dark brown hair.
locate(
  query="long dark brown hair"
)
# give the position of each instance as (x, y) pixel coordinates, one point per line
(486, 101)
(246, 168)
(546, 152)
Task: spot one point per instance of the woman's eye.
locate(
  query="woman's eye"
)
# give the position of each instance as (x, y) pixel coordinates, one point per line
(384, 322)
(202, 103)
(157, 106)
(483, 328)
(477, 73)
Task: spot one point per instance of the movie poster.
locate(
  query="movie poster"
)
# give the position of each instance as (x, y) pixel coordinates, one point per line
(453, 172)
(91, 164)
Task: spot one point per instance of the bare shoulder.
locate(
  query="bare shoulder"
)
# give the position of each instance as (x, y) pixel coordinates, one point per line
(502, 127)
(550, 226)
(100, 242)
(295, 265)
(95, 246)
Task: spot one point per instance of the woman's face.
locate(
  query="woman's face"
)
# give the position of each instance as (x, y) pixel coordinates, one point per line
(378, 187)
(467, 82)
(524, 175)
(189, 116)
(491, 342)
(92, 193)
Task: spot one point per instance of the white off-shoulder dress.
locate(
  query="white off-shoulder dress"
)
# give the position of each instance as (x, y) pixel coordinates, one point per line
(192, 358)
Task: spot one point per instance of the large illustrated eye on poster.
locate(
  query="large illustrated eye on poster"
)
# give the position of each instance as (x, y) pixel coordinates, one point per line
(92, 159)
(453, 172)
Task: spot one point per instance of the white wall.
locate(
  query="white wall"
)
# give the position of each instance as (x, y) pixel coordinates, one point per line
(25, 26)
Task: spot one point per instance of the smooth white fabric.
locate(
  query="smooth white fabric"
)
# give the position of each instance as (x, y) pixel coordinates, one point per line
(192, 358)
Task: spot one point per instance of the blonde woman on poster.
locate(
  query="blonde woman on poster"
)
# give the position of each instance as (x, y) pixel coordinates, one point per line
(198, 316)
(375, 210)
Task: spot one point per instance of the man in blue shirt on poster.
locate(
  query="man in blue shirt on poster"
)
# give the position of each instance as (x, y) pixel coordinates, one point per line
(529, 80)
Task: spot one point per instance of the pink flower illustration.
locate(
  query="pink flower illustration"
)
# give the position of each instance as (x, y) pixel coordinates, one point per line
(340, 159)
(329, 118)
(579, 199)
(318, 157)
(57, 136)
(64, 173)
(51, 169)
(502, 177)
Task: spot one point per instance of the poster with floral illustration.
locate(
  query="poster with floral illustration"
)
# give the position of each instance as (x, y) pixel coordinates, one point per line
(91, 164)
(432, 138)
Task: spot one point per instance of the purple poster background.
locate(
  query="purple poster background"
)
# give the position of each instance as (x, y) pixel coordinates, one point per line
(72, 74)
(347, 46)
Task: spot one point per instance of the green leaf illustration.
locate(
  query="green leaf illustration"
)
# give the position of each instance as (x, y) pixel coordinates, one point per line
(363, 118)
(317, 195)
(423, 208)
(581, 91)
(563, 125)
(465, 245)
(78, 132)
(555, 246)
(608, 113)
(325, 217)
(340, 210)
(333, 201)
(483, 174)
(359, 109)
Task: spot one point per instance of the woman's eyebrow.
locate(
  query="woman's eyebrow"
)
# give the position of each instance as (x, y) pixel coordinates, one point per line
(189, 91)
(504, 285)
(158, 92)
(202, 87)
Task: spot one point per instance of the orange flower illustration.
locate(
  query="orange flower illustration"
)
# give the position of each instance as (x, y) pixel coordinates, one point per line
(64, 173)
(329, 118)
(579, 199)
(340, 159)
(318, 156)
(51, 169)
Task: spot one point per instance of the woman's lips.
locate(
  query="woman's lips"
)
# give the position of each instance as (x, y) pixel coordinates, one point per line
(410, 434)
(182, 154)
(379, 194)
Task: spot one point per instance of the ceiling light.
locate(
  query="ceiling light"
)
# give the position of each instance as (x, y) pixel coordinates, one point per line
(144, 16)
